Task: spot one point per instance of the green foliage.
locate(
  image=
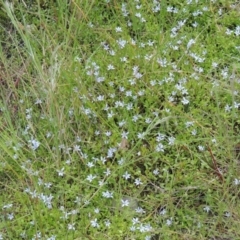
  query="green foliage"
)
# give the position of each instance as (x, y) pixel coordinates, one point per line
(119, 120)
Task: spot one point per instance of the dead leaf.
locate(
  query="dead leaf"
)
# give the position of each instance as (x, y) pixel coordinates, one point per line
(124, 144)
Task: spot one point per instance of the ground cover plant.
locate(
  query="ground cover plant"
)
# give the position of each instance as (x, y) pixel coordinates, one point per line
(120, 119)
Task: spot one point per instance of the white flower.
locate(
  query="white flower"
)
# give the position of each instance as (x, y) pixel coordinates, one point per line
(107, 194)
(38, 101)
(111, 152)
(121, 161)
(153, 82)
(48, 185)
(132, 228)
(47, 200)
(107, 172)
(78, 200)
(188, 124)
(123, 59)
(118, 29)
(150, 43)
(40, 182)
(163, 211)
(53, 237)
(96, 210)
(10, 216)
(227, 214)
(185, 101)
(141, 92)
(132, 81)
(124, 134)
(7, 206)
(169, 222)
(107, 223)
(135, 118)
(190, 43)
(100, 79)
(71, 226)
(171, 140)
(148, 120)
(194, 132)
(214, 64)
(237, 31)
(236, 181)
(68, 161)
(76, 148)
(91, 177)
(94, 223)
(159, 148)
(138, 15)
(110, 67)
(141, 135)
(171, 99)
(155, 171)
(48, 135)
(128, 93)
(90, 24)
(108, 133)
(121, 43)
(90, 164)
(60, 172)
(201, 148)
(125, 202)
(100, 98)
(34, 144)
(138, 182)
(135, 220)
(103, 160)
(129, 106)
(97, 133)
(140, 210)
(145, 227)
(110, 114)
(160, 137)
(101, 183)
(112, 52)
(236, 105)
(214, 140)
(228, 108)
(207, 209)
(126, 175)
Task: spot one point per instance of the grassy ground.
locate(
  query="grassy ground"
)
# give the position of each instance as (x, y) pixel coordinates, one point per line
(120, 120)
